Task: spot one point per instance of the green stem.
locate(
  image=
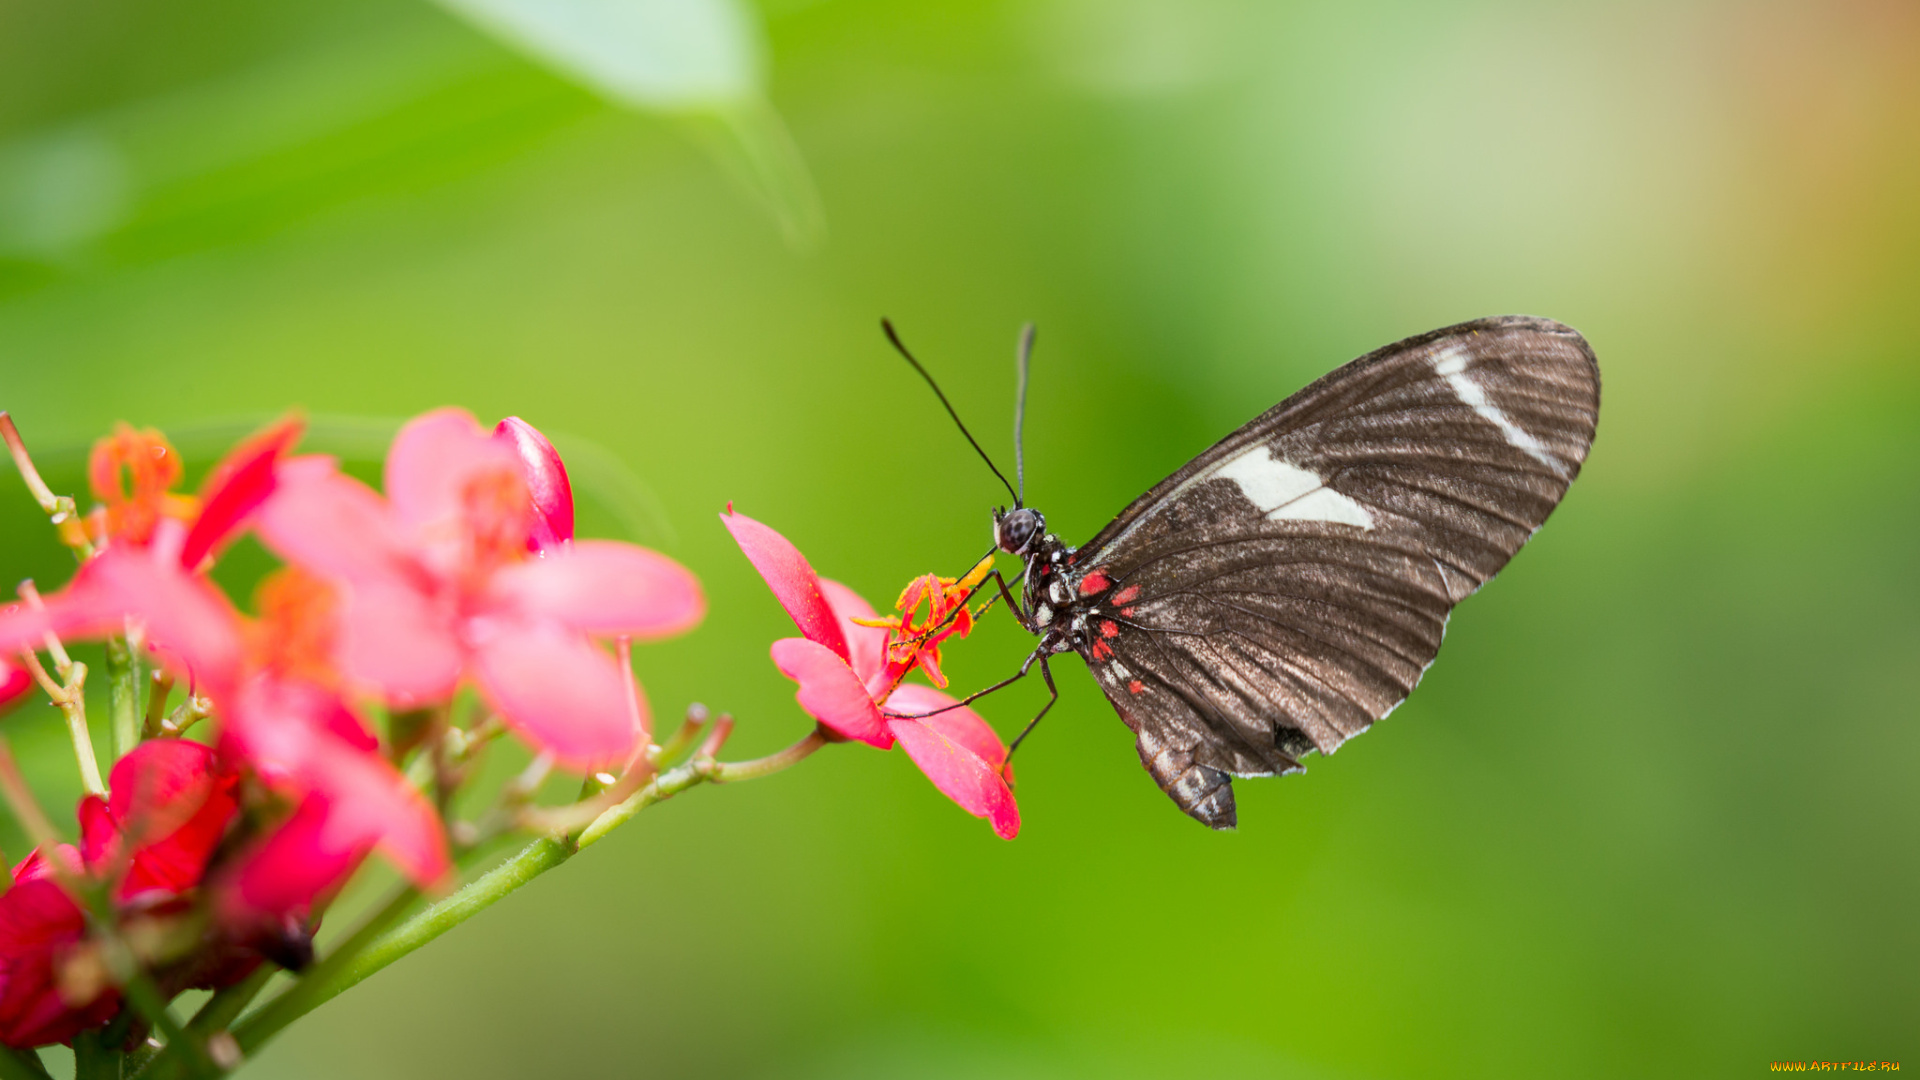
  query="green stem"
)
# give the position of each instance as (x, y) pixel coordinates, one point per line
(156, 704)
(21, 1065)
(223, 1006)
(152, 1007)
(214, 1016)
(123, 689)
(361, 956)
(94, 1060)
(698, 771)
(328, 979)
(322, 981)
(74, 708)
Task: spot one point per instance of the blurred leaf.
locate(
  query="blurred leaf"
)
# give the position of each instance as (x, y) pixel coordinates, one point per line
(655, 54)
(705, 59)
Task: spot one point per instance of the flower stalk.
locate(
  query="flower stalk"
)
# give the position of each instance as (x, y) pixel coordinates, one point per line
(124, 676)
(60, 509)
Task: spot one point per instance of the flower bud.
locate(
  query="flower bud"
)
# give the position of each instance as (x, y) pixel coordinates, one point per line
(552, 520)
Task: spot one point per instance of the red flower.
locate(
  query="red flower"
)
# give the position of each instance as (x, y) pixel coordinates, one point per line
(40, 929)
(168, 807)
(169, 802)
(438, 587)
(846, 680)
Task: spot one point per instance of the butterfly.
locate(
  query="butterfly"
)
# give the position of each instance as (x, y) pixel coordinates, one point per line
(1288, 587)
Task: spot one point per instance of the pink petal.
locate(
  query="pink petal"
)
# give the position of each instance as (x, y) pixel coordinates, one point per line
(400, 641)
(793, 582)
(433, 459)
(236, 487)
(946, 747)
(866, 645)
(603, 587)
(552, 494)
(558, 691)
(291, 871)
(331, 524)
(300, 735)
(961, 724)
(187, 618)
(16, 683)
(21, 629)
(830, 691)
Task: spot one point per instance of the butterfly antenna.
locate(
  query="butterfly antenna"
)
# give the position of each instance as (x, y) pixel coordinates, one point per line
(897, 344)
(1025, 355)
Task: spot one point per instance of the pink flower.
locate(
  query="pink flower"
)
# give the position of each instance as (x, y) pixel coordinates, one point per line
(299, 735)
(276, 707)
(846, 681)
(439, 589)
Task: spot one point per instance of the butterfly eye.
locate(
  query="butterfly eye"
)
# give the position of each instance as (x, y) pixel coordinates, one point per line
(1014, 533)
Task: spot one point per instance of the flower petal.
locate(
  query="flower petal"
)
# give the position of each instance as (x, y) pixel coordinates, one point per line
(866, 645)
(236, 487)
(603, 587)
(188, 619)
(792, 580)
(948, 748)
(294, 869)
(397, 640)
(331, 524)
(558, 691)
(830, 691)
(302, 736)
(433, 459)
(170, 801)
(961, 724)
(16, 683)
(547, 484)
(38, 921)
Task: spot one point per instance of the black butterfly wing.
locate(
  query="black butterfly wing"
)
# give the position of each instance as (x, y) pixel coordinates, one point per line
(1288, 587)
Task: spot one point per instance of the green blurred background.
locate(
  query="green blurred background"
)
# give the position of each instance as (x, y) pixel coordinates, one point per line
(1655, 810)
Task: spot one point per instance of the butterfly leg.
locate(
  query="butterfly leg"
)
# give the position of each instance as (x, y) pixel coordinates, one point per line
(1037, 654)
(1026, 621)
(1053, 695)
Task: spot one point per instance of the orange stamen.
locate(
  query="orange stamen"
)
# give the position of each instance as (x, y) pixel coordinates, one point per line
(130, 472)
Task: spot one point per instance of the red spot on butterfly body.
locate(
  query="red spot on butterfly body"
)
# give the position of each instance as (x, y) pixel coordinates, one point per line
(1127, 612)
(1101, 650)
(1109, 628)
(1126, 595)
(1136, 686)
(1096, 582)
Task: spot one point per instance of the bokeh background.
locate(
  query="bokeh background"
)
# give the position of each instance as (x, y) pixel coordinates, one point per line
(1654, 812)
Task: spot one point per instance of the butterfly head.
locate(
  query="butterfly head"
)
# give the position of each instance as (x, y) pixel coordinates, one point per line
(1018, 531)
